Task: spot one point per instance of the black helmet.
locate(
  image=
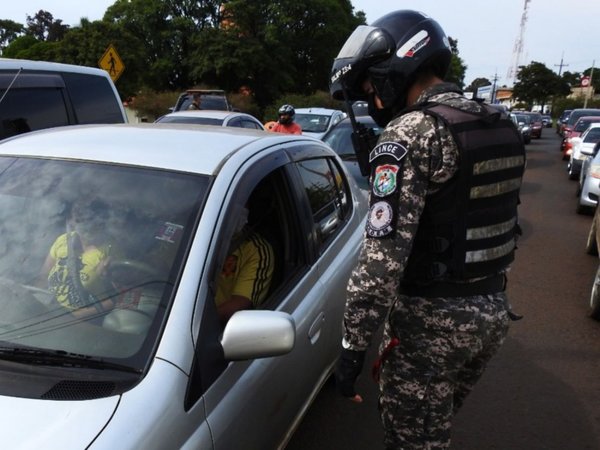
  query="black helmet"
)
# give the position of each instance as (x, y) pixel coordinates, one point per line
(390, 52)
(286, 110)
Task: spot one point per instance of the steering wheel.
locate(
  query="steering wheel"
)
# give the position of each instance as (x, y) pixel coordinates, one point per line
(128, 272)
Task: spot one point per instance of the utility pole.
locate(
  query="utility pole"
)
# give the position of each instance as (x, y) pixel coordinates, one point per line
(561, 65)
(518, 48)
(590, 87)
(494, 79)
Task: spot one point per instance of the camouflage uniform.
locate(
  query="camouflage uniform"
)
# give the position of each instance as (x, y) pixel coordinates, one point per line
(444, 343)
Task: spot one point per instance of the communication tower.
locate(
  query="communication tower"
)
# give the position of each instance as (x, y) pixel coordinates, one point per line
(518, 48)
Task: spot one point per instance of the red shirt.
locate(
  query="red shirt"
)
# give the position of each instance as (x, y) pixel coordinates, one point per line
(290, 128)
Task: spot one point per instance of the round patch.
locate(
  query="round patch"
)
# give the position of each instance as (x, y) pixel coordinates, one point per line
(384, 182)
(379, 221)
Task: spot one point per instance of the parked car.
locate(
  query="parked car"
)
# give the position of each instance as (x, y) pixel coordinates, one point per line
(561, 121)
(546, 121)
(36, 94)
(580, 126)
(218, 118)
(339, 138)
(588, 190)
(316, 122)
(523, 123)
(214, 99)
(575, 114)
(536, 124)
(592, 248)
(583, 148)
(158, 370)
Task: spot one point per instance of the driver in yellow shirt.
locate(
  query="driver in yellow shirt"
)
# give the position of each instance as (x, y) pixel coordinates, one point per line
(246, 276)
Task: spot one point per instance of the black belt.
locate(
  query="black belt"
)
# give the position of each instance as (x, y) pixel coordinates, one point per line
(485, 286)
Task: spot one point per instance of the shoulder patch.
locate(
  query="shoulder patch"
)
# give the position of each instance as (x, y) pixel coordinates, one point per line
(393, 149)
(385, 180)
(379, 220)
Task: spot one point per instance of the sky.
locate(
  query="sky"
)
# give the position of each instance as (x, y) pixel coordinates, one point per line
(556, 31)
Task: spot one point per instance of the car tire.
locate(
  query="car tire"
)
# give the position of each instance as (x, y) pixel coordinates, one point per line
(591, 246)
(572, 174)
(582, 209)
(595, 297)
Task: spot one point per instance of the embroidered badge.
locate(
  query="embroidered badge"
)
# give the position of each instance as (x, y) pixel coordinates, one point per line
(379, 221)
(393, 149)
(384, 182)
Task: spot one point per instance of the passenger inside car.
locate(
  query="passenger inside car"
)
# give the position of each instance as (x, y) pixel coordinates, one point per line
(247, 273)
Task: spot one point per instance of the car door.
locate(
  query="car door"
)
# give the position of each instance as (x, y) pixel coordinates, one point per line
(254, 404)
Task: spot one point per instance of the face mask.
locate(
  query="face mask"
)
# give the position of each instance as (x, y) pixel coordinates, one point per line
(380, 116)
(242, 220)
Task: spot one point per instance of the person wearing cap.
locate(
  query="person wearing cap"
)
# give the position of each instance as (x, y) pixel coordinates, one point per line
(440, 234)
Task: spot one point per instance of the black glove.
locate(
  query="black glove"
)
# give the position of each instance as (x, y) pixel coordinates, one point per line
(347, 371)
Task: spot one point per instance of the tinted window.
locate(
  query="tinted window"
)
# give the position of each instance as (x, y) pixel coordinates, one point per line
(25, 110)
(250, 124)
(593, 135)
(327, 194)
(93, 99)
(195, 120)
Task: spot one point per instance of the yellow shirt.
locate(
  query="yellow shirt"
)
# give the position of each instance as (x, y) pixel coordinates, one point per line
(247, 272)
(61, 284)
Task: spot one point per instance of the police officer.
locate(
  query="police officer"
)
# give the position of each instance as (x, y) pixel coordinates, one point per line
(440, 233)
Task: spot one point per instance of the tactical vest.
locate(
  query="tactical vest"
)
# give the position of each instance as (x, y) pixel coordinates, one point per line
(468, 228)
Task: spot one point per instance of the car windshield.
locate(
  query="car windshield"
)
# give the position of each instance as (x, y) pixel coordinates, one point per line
(315, 123)
(119, 228)
(194, 120)
(582, 125)
(523, 118)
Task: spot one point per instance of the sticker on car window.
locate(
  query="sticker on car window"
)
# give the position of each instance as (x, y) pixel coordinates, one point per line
(169, 232)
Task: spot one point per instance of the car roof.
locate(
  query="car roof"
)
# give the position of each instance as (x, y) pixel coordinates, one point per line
(163, 146)
(16, 64)
(208, 113)
(317, 110)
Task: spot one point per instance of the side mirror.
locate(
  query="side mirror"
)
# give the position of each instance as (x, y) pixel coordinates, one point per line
(254, 334)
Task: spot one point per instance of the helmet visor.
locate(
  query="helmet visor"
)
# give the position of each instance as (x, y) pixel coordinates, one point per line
(355, 42)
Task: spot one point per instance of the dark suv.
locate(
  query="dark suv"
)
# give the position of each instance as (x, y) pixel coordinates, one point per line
(38, 94)
(210, 99)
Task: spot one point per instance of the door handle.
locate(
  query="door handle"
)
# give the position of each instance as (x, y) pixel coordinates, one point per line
(314, 332)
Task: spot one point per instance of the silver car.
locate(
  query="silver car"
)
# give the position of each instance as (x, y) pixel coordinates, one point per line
(156, 369)
(588, 190)
(316, 122)
(213, 117)
(583, 147)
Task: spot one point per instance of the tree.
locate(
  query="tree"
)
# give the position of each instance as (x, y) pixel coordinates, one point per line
(274, 47)
(477, 83)
(456, 72)
(43, 27)
(536, 84)
(9, 31)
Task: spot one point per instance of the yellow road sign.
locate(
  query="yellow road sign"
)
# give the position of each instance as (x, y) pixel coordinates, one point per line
(112, 63)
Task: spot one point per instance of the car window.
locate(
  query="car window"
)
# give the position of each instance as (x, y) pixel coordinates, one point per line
(327, 194)
(93, 99)
(19, 115)
(118, 228)
(235, 122)
(194, 120)
(593, 135)
(251, 124)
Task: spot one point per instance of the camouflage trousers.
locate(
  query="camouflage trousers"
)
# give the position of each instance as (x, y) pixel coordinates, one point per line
(444, 347)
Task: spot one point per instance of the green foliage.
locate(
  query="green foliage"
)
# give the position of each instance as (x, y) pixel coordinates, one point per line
(151, 104)
(477, 83)
(537, 84)
(457, 69)
(9, 31)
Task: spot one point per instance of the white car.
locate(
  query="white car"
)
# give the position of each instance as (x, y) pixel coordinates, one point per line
(588, 190)
(156, 369)
(316, 122)
(583, 147)
(213, 117)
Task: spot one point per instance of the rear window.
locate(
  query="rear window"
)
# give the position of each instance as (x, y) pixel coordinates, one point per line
(93, 98)
(193, 120)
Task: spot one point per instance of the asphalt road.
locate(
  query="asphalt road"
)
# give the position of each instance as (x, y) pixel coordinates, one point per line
(542, 390)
